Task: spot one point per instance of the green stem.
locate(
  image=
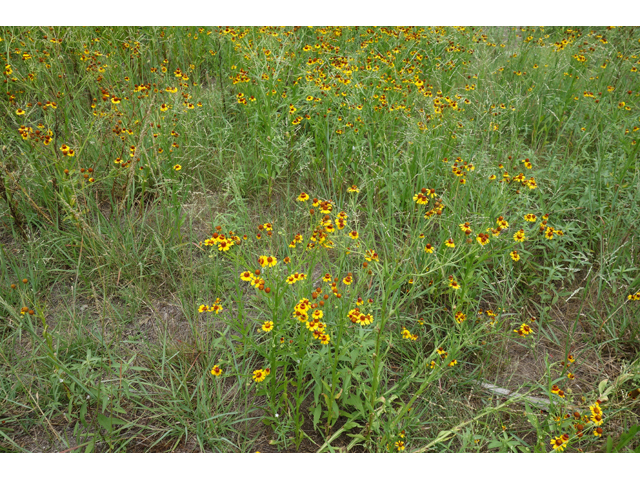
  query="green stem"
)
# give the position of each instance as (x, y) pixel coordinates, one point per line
(334, 369)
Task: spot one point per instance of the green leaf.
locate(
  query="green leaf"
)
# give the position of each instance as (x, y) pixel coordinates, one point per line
(609, 444)
(119, 409)
(602, 386)
(351, 424)
(108, 422)
(336, 411)
(316, 415)
(495, 444)
(624, 440)
(316, 392)
(359, 369)
(90, 446)
(355, 401)
(83, 413)
(326, 385)
(105, 422)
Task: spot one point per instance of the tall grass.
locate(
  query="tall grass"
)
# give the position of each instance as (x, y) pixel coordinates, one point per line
(493, 173)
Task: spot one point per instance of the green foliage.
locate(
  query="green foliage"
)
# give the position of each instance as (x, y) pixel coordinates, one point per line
(137, 163)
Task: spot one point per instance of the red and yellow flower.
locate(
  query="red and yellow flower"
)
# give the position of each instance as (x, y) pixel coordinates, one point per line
(260, 375)
(560, 443)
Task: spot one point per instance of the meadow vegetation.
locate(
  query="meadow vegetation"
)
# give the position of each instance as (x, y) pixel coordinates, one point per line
(319, 239)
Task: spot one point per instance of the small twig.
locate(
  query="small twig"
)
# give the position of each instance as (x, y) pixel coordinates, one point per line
(192, 364)
(610, 316)
(75, 448)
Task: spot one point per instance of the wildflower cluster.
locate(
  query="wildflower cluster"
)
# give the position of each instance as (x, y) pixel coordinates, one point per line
(295, 277)
(309, 314)
(425, 197)
(406, 334)
(457, 223)
(442, 354)
(580, 424)
(253, 278)
(216, 307)
(557, 391)
(524, 330)
(362, 319)
(224, 243)
(267, 261)
(297, 239)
